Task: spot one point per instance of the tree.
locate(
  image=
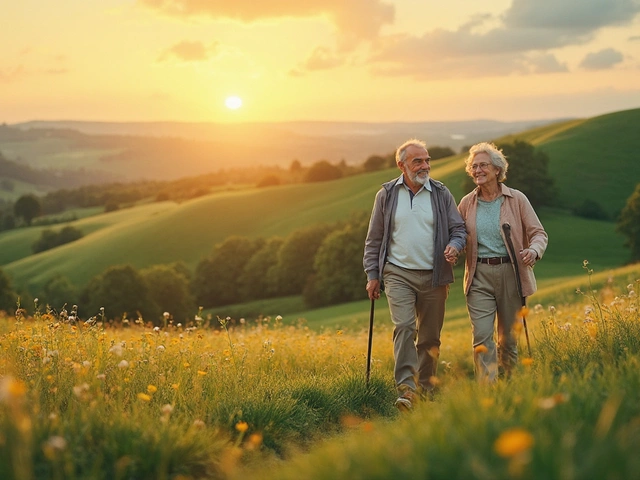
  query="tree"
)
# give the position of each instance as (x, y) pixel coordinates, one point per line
(322, 171)
(169, 290)
(528, 172)
(339, 275)
(437, 152)
(374, 162)
(629, 223)
(254, 280)
(217, 278)
(121, 290)
(27, 207)
(50, 239)
(58, 291)
(8, 297)
(295, 259)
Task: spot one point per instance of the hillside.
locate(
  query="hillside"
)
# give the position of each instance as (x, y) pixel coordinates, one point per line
(595, 158)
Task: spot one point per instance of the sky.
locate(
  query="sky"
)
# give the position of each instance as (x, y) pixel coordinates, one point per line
(325, 60)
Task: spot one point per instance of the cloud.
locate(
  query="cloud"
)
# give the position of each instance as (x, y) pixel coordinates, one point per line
(602, 60)
(520, 43)
(360, 19)
(186, 51)
(321, 58)
(634, 38)
(570, 15)
(10, 75)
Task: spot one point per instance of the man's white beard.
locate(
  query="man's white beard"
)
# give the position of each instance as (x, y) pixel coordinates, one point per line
(422, 180)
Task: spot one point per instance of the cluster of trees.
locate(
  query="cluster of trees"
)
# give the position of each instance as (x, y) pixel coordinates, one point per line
(629, 223)
(50, 238)
(323, 263)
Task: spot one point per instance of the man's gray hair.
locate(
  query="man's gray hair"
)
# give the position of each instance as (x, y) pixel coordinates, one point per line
(495, 154)
(401, 152)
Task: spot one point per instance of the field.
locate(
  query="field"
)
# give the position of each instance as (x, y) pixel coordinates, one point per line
(286, 397)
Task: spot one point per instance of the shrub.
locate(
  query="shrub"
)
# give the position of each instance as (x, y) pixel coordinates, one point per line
(50, 239)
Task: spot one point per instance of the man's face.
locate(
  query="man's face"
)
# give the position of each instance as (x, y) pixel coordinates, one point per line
(416, 166)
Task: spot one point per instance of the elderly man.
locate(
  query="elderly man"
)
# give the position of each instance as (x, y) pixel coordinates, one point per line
(414, 238)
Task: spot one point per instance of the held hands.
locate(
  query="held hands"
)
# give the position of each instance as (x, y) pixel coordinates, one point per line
(451, 254)
(373, 289)
(529, 256)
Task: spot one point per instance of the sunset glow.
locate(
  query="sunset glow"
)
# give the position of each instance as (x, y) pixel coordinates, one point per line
(233, 102)
(372, 60)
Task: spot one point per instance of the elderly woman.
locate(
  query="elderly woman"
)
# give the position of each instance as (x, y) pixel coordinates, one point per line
(490, 283)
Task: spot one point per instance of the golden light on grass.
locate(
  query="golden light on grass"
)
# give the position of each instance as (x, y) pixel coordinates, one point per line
(513, 442)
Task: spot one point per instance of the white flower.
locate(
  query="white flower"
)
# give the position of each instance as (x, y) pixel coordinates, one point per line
(123, 364)
(279, 317)
(160, 348)
(57, 442)
(166, 314)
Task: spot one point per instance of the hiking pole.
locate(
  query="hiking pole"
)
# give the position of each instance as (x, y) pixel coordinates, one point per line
(507, 232)
(370, 340)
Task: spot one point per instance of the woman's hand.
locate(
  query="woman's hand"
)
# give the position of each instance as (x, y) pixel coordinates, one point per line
(529, 256)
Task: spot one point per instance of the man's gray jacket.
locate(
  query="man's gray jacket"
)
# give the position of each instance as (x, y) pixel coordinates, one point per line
(449, 229)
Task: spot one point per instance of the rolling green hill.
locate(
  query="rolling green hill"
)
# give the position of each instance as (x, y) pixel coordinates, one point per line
(167, 232)
(592, 159)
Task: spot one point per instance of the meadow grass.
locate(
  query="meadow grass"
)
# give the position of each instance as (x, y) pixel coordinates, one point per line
(275, 398)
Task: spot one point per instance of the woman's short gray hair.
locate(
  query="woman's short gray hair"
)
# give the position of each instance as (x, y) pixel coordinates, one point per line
(401, 152)
(495, 154)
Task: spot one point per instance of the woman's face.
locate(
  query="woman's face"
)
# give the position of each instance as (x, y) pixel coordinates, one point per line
(483, 172)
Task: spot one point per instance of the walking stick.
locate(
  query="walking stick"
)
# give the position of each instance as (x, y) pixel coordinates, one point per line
(507, 232)
(370, 340)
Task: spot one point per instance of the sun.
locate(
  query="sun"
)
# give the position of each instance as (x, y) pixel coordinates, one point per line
(233, 102)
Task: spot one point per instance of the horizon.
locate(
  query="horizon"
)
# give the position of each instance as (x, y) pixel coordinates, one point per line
(370, 61)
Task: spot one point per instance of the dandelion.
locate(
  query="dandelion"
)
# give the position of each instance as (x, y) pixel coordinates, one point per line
(160, 348)
(279, 318)
(242, 427)
(513, 442)
(538, 308)
(144, 397)
(156, 329)
(152, 388)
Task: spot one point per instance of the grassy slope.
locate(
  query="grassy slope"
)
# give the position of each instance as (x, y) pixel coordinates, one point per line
(593, 159)
(187, 232)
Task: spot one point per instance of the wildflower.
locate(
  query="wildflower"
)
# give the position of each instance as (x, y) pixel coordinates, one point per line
(486, 402)
(278, 318)
(123, 364)
(538, 308)
(202, 373)
(254, 441)
(524, 311)
(156, 329)
(10, 388)
(175, 386)
(585, 263)
(144, 397)
(166, 314)
(552, 309)
(152, 388)
(167, 409)
(527, 361)
(513, 442)
(480, 349)
(242, 427)
(101, 376)
(198, 423)
(80, 389)
(160, 348)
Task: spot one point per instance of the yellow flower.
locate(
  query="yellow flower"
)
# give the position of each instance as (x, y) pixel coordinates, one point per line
(527, 361)
(175, 386)
(144, 397)
(202, 373)
(524, 311)
(242, 427)
(481, 349)
(186, 365)
(513, 442)
(152, 389)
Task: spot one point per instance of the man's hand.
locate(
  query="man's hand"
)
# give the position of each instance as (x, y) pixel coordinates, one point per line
(373, 289)
(451, 254)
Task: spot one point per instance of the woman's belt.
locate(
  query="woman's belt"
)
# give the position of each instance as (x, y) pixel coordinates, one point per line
(495, 260)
